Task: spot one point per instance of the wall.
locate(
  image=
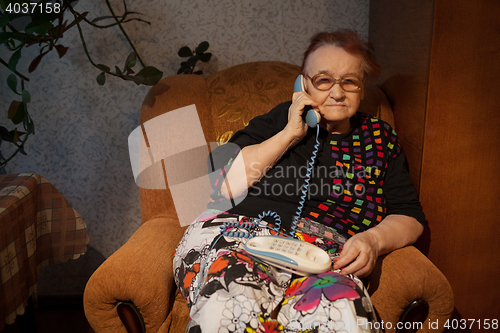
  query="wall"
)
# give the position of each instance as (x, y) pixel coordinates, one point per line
(82, 129)
(402, 35)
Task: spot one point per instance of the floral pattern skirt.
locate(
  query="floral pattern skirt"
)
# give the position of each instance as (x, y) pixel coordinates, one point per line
(229, 290)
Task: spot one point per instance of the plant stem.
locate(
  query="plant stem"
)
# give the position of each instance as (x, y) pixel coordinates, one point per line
(125, 34)
(84, 44)
(83, 39)
(118, 22)
(19, 147)
(16, 72)
(101, 26)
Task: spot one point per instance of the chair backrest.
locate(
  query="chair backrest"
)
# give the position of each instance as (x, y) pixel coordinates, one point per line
(239, 93)
(226, 101)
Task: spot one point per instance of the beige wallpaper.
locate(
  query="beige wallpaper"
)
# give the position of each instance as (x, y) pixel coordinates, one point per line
(82, 129)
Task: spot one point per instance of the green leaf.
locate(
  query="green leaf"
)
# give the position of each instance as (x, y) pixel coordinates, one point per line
(103, 68)
(12, 83)
(26, 96)
(40, 29)
(5, 134)
(30, 127)
(149, 71)
(14, 59)
(131, 60)
(193, 60)
(185, 69)
(149, 75)
(202, 47)
(101, 78)
(17, 111)
(13, 109)
(7, 18)
(5, 36)
(40, 19)
(4, 20)
(185, 52)
(205, 57)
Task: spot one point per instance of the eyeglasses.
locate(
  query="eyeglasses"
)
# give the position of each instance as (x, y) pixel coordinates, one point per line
(348, 83)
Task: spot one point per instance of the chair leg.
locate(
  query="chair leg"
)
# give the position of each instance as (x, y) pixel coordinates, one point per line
(131, 317)
(413, 316)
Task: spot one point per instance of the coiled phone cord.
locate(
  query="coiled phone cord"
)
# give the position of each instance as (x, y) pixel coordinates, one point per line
(226, 228)
(305, 189)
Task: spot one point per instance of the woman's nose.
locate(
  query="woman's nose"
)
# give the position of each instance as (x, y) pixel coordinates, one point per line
(337, 93)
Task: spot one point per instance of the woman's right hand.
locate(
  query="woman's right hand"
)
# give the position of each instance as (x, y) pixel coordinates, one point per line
(296, 128)
(254, 161)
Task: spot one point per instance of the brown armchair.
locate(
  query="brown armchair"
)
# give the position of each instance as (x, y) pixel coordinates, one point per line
(134, 289)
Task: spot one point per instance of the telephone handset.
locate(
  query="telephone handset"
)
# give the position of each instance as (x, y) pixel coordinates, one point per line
(310, 116)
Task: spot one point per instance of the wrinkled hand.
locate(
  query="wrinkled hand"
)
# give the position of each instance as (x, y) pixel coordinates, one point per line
(296, 127)
(359, 255)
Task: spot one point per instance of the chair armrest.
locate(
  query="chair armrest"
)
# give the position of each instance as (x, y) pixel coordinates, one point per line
(406, 275)
(139, 272)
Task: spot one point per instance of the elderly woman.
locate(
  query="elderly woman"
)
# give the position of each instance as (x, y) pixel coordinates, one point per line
(360, 203)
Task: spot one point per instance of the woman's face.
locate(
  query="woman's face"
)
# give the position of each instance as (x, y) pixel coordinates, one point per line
(335, 105)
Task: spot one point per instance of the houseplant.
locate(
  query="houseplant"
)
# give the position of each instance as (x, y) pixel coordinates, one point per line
(28, 24)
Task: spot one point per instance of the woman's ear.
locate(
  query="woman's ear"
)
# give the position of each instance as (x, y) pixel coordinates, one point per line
(305, 82)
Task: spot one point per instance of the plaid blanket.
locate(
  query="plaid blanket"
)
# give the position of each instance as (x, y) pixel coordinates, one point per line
(38, 227)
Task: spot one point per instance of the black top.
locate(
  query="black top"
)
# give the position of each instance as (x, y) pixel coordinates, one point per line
(358, 177)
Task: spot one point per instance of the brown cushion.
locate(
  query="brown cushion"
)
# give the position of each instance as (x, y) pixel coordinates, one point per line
(239, 93)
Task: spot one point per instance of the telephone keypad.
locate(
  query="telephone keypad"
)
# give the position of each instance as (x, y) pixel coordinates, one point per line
(286, 247)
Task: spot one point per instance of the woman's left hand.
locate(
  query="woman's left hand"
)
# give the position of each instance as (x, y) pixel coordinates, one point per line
(361, 251)
(359, 255)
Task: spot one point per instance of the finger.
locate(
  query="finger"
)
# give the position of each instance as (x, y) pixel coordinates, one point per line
(347, 256)
(299, 94)
(301, 99)
(345, 249)
(366, 270)
(356, 265)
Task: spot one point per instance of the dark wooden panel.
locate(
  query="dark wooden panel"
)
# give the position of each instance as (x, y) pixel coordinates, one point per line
(442, 63)
(460, 181)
